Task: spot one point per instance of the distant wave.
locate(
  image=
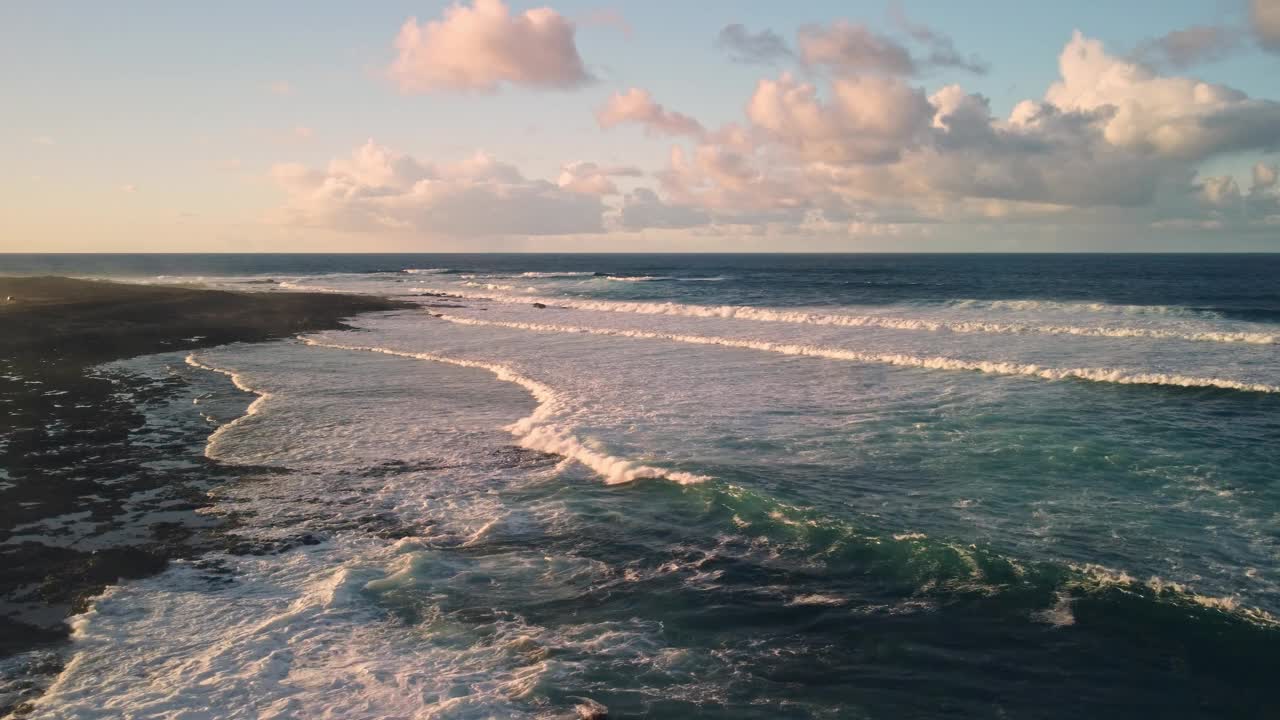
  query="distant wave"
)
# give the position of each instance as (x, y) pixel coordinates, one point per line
(638, 278)
(1086, 307)
(425, 271)
(567, 273)
(1102, 375)
(747, 312)
(536, 431)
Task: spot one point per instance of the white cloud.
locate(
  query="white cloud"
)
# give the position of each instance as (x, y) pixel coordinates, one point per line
(870, 119)
(1112, 141)
(376, 189)
(1172, 116)
(480, 47)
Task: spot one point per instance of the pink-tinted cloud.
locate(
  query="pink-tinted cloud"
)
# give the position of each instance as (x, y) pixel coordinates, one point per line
(592, 179)
(871, 118)
(482, 46)
(378, 190)
(638, 106)
(1264, 18)
(853, 48)
(1111, 140)
(1173, 116)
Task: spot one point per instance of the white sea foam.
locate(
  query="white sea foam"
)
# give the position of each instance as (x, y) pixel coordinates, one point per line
(1084, 307)
(638, 278)
(777, 315)
(1103, 375)
(817, 599)
(211, 445)
(1098, 576)
(537, 431)
(426, 271)
(557, 274)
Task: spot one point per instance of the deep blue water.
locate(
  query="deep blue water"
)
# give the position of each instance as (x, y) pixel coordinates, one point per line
(809, 486)
(1241, 285)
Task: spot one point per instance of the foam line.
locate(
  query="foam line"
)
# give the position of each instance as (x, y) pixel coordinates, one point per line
(211, 443)
(1105, 375)
(1085, 306)
(747, 312)
(536, 431)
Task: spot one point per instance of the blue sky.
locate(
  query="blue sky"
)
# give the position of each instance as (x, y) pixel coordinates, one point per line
(156, 126)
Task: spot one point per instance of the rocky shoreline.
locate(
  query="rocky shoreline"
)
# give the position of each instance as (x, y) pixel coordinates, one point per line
(86, 498)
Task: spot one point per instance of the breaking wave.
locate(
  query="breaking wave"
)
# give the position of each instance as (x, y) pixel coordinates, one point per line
(567, 273)
(537, 431)
(747, 312)
(638, 278)
(1102, 375)
(1086, 307)
(211, 445)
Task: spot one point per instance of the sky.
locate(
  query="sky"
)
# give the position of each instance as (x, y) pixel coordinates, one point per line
(709, 126)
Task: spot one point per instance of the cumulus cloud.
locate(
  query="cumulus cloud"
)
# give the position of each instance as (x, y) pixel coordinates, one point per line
(592, 179)
(1264, 20)
(1111, 139)
(480, 47)
(870, 119)
(376, 189)
(1181, 49)
(638, 106)
(1173, 116)
(744, 46)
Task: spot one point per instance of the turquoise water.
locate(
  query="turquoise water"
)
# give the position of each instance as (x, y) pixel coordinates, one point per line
(849, 486)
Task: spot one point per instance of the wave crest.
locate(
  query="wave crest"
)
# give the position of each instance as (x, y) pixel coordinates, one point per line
(759, 314)
(992, 367)
(537, 431)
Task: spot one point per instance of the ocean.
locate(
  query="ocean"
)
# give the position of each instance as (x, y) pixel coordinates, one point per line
(724, 486)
